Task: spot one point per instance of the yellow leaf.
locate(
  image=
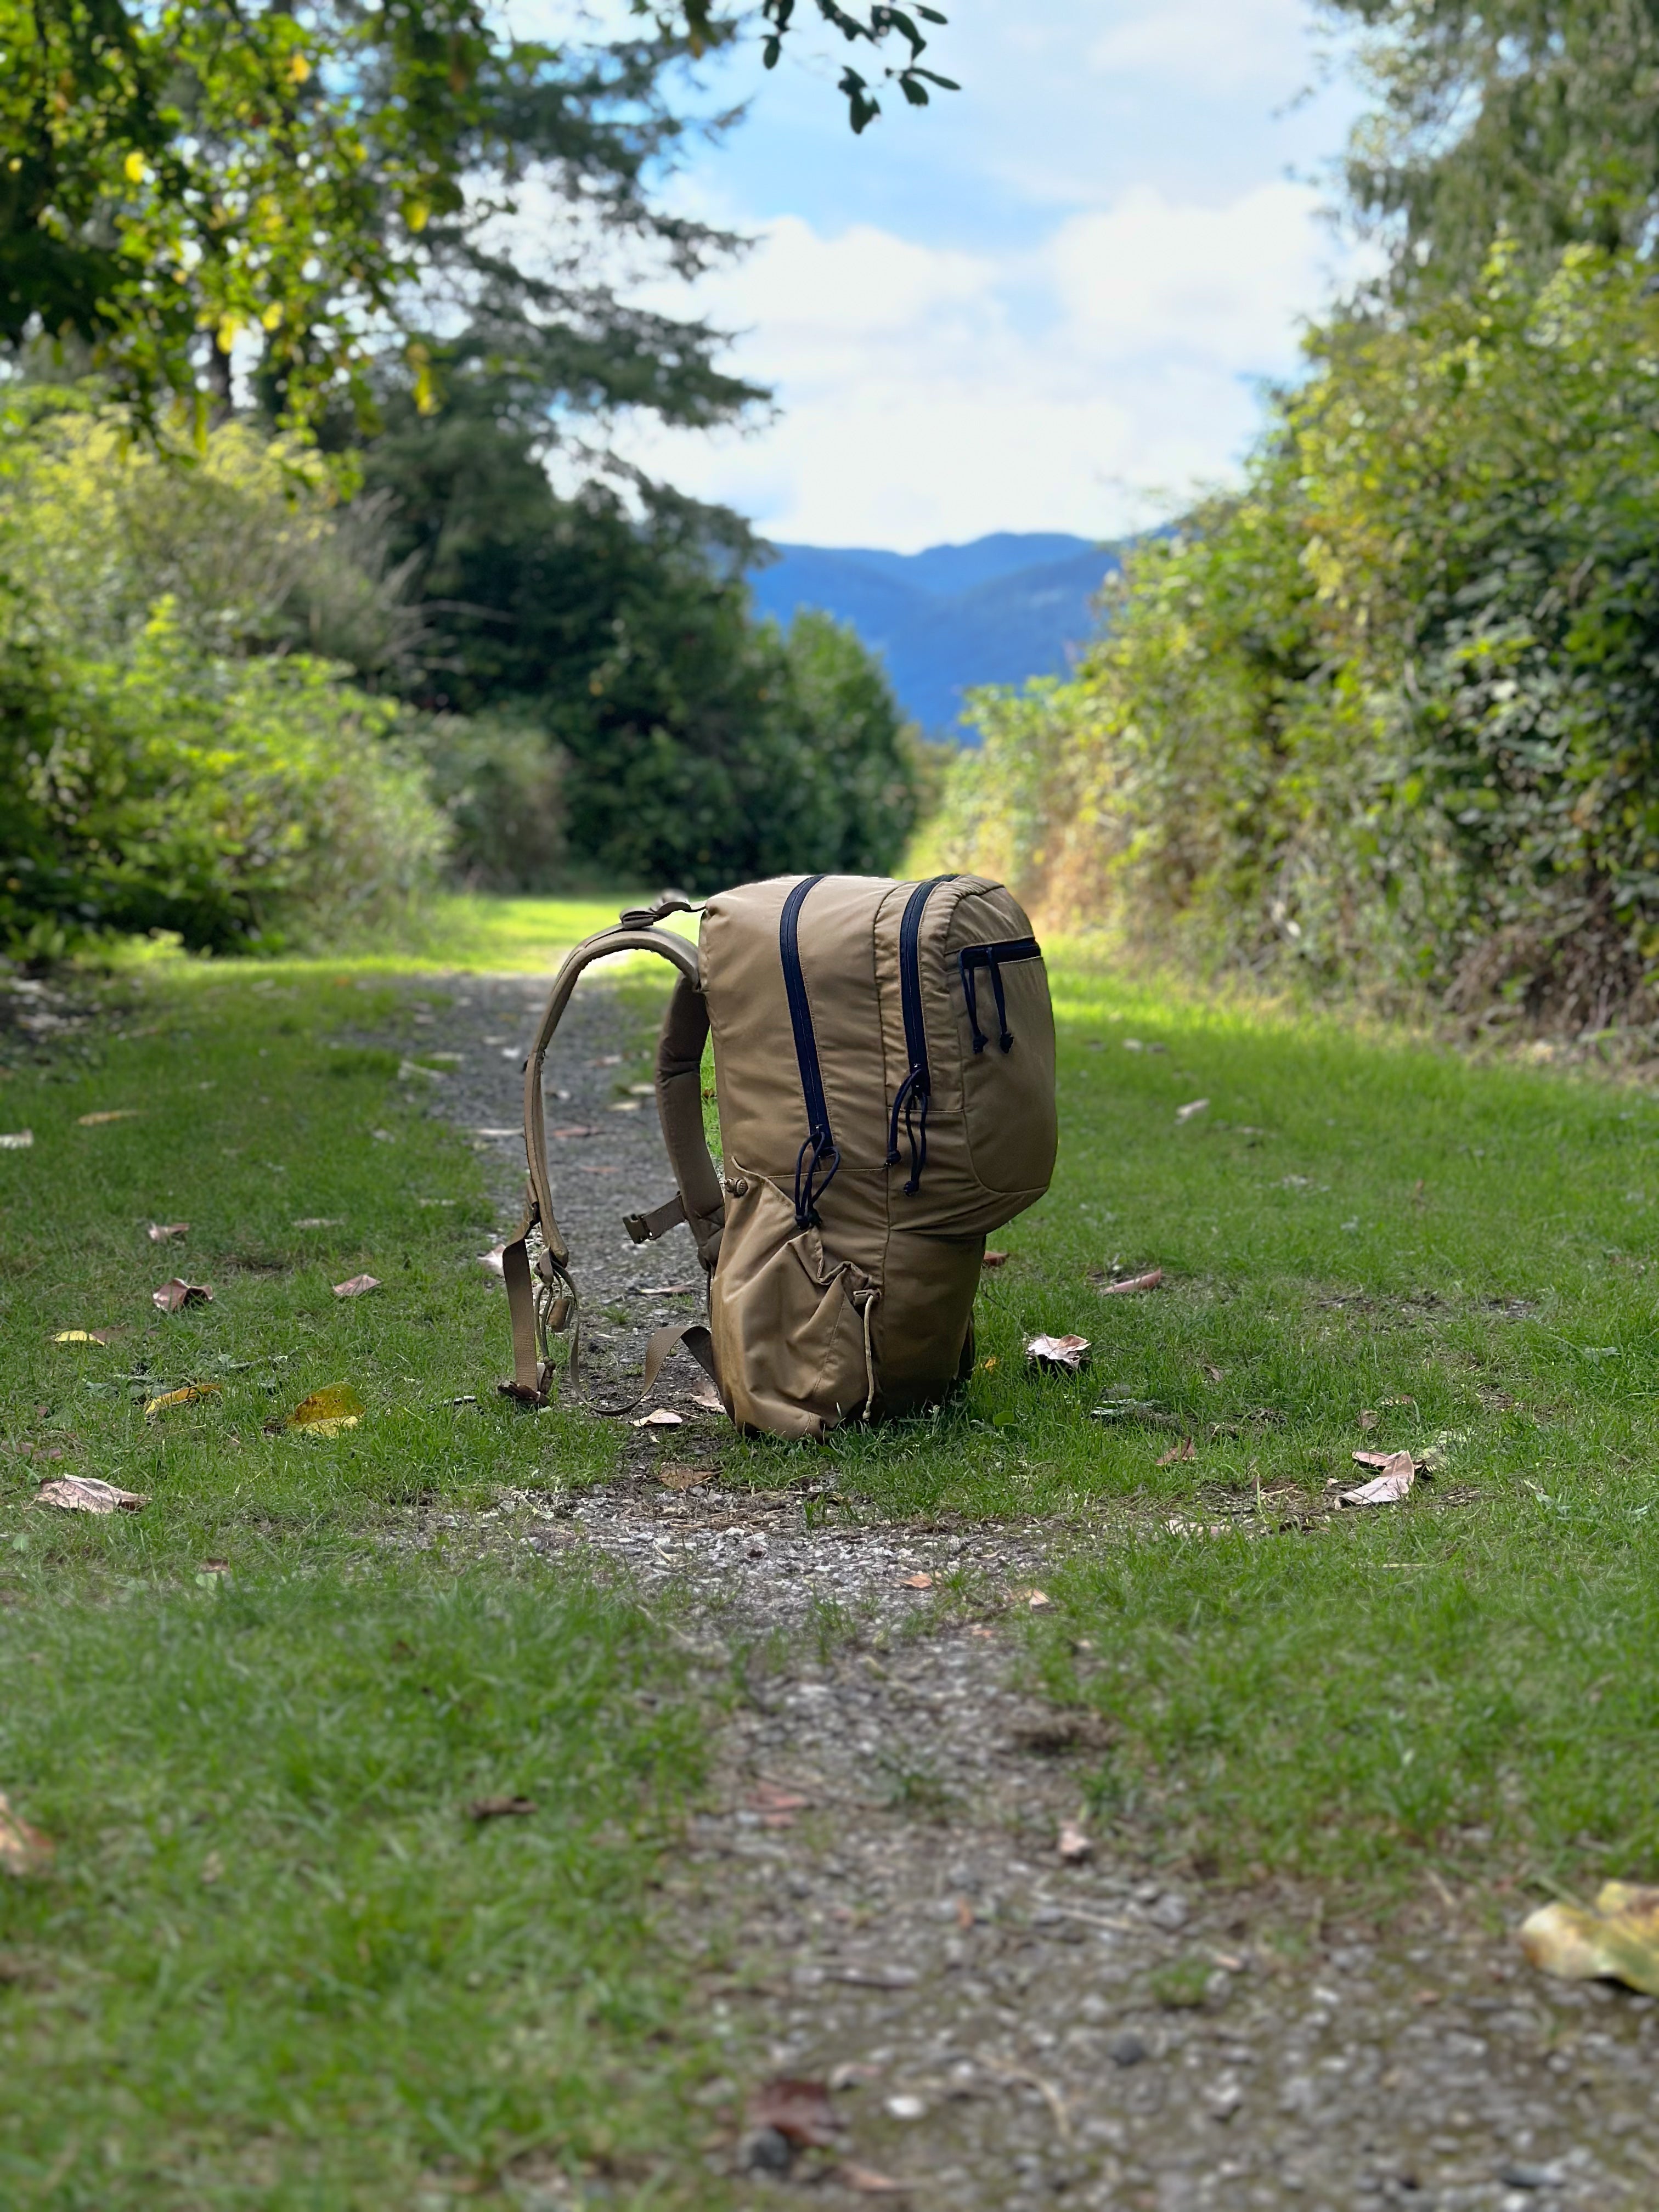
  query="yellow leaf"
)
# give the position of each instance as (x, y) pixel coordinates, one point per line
(323, 1414)
(299, 69)
(416, 215)
(135, 169)
(191, 1391)
(272, 315)
(229, 327)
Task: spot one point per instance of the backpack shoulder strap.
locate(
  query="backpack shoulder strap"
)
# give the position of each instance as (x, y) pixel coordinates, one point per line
(542, 1296)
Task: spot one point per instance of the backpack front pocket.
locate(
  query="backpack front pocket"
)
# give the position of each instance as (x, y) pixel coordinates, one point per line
(1007, 1038)
(790, 1323)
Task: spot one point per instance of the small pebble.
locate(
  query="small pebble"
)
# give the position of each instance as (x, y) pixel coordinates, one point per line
(1127, 2048)
(764, 2150)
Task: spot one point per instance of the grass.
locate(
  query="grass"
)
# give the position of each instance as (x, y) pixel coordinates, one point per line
(276, 1964)
(1356, 1229)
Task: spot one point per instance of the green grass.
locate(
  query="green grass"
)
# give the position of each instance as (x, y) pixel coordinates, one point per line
(275, 1964)
(1356, 1223)
(368, 1990)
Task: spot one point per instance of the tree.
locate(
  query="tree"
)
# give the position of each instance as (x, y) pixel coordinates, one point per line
(326, 188)
(1535, 119)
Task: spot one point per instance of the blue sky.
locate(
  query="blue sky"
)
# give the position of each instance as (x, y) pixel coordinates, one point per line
(1046, 301)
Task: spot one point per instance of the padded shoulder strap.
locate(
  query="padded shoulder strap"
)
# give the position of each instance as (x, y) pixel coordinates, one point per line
(538, 1309)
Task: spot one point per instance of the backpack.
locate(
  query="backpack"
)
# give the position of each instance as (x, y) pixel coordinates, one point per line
(884, 1073)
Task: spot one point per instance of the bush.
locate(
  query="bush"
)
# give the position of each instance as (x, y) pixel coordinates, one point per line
(1386, 715)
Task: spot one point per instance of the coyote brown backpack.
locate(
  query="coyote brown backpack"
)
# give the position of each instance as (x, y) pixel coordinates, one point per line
(885, 1067)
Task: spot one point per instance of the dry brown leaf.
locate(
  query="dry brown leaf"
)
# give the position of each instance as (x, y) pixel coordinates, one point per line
(1148, 1282)
(1369, 1420)
(777, 1807)
(186, 1396)
(641, 1090)
(323, 1414)
(624, 1106)
(1073, 1845)
(86, 1335)
(800, 2112)
(864, 2181)
(995, 1260)
(1618, 1941)
(675, 1476)
(23, 1850)
(85, 1493)
(1184, 1450)
(163, 1232)
(918, 1582)
(1214, 1373)
(499, 1808)
(660, 1417)
(1066, 1354)
(708, 1399)
(669, 1291)
(1193, 1106)
(1399, 1472)
(607, 1059)
(119, 1114)
(575, 1129)
(354, 1285)
(15, 1140)
(174, 1295)
(1026, 1596)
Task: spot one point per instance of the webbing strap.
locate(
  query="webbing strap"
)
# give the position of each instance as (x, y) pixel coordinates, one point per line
(692, 1336)
(646, 1228)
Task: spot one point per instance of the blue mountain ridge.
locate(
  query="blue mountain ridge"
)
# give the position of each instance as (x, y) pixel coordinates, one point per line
(1008, 607)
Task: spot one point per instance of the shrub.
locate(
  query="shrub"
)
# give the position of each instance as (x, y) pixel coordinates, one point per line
(1388, 713)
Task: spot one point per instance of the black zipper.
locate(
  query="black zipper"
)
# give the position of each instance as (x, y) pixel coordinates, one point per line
(820, 1145)
(992, 957)
(917, 1084)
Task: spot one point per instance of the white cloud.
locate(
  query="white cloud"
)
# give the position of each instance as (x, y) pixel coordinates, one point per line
(929, 393)
(1204, 47)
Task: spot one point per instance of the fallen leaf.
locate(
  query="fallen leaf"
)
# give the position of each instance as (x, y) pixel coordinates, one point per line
(15, 1140)
(918, 1582)
(386, 1137)
(186, 1396)
(499, 1808)
(23, 1850)
(215, 1567)
(641, 1090)
(777, 1807)
(86, 1335)
(1213, 1374)
(176, 1294)
(1149, 1282)
(163, 1232)
(354, 1285)
(660, 1417)
(675, 1476)
(995, 1260)
(800, 2112)
(1026, 1596)
(1369, 1420)
(624, 1106)
(1073, 1846)
(1193, 1106)
(575, 1130)
(987, 1366)
(1399, 1472)
(1177, 1452)
(864, 2181)
(323, 1414)
(668, 1291)
(85, 1493)
(492, 1259)
(213, 1869)
(1618, 1941)
(1068, 1352)
(332, 1220)
(408, 1069)
(708, 1399)
(965, 1915)
(119, 1114)
(607, 1059)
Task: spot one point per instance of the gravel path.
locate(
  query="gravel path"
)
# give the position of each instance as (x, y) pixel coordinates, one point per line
(875, 1897)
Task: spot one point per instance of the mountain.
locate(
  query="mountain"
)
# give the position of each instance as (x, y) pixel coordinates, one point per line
(1013, 604)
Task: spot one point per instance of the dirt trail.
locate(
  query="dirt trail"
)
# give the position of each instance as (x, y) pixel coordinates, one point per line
(875, 1896)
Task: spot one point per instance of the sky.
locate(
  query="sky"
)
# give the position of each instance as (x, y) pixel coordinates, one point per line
(1046, 301)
